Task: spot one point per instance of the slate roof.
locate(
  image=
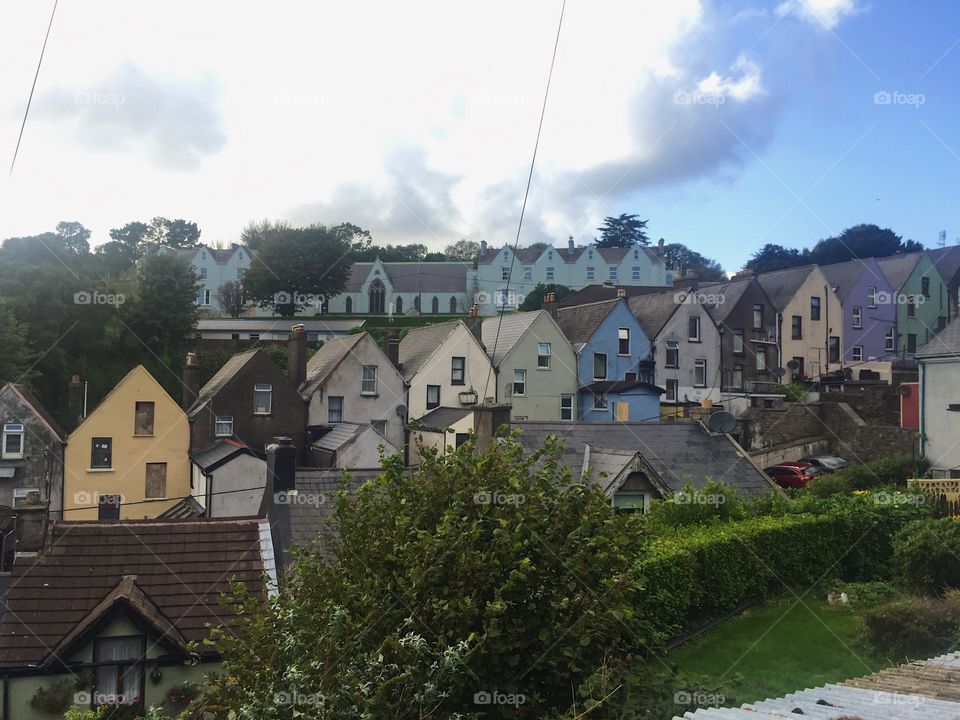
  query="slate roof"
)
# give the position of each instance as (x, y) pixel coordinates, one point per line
(912, 691)
(782, 285)
(340, 435)
(420, 343)
(678, 451)
(731, 291)
(27, 397)
(441, 418)
(945, 343)
(181, 566)
(946, 260)
(599, 387)
(216, 455)
(426, 277)
(653, 311)
(596, 293)
(897, 268)
(325, 360)
(580, 322)
(844, 276)
(224, 375)
(185, 509)
(531, 255)
(500, 337)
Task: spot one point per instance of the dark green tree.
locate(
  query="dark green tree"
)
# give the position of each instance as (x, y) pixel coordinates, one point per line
(534, 299)
(15, 355)
(861, 241)
(230, 297)
(681, 258)
(776, 257)
(474, 573)
(462, 250)
(623, 231)
(295, 266)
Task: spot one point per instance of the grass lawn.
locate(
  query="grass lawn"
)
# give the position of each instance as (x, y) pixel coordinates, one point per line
(779, 647)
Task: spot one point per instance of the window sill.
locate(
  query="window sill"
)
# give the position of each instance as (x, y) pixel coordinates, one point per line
(369, 394)
(136, 435)
(256, 414)
(694, 340)
(100, 470)
(458, 383)
(543, 368)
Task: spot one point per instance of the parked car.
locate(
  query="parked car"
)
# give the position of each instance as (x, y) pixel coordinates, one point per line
(830, 462)
(794, 474)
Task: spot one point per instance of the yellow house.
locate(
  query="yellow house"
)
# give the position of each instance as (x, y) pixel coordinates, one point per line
(129, 458)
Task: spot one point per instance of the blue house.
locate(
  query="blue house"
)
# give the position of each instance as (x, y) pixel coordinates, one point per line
(614, 363)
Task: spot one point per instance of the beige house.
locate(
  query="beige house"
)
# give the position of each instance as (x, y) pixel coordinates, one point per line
(129, 458)
(810, 320)
(445, 366)
(535, 366)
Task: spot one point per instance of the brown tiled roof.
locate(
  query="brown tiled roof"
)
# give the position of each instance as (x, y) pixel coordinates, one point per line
(180, 567)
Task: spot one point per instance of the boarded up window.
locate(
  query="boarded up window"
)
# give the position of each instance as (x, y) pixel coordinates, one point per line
(143, 423)
(156, 480)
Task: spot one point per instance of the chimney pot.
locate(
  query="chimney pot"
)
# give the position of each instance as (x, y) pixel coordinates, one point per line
(483, 247)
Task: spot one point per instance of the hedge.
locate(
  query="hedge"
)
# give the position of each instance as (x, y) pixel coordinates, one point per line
(698, 573)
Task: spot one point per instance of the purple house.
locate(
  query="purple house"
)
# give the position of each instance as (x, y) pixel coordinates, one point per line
(869, 307)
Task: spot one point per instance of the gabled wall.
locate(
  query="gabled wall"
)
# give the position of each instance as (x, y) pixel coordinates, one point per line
(927, 320)
(42, 463)
(813, 344)
(708, 349)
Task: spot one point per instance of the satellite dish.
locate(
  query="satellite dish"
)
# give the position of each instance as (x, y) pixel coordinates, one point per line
(721, 422)
(778, 372)
(401, 410)
(793, 365)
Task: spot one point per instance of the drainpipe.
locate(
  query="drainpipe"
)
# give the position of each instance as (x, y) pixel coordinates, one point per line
(923, 395)
(826, 329)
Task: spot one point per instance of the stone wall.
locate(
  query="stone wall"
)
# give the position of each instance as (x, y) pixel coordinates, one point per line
(858, 441)
(876, 404)
(761, 428)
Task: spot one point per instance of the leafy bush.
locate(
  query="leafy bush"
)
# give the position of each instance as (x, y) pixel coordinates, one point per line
(715, 501)
(892, 471)
(927, 555)
(868, 594)
(54, 698)
(830, 484)
(914, 627)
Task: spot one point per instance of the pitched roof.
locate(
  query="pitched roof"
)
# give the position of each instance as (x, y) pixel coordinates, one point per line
(39, 410)
(580, 322)
(182, 567)
(531, 255)
(653, 311)
(221, 452)
(326, 359)
(945, 343)
(271, 325)
(595, 293)
(782, 285)
(731, 291)
(916, 690)
(501, 333)
(224, 375)
(897, 268)
(678, 451)
(122, 382)
(186, 509)
(340, 435)
(420, 343)
(946, 260)
(441, 418)
(844, 276)
(426, 277)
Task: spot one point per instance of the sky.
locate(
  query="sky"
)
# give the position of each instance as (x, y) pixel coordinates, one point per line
(726, 125)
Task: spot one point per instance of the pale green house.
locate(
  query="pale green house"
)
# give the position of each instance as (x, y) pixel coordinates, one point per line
(921, 297)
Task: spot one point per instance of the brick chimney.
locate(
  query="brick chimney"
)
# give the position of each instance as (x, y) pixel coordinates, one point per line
(391, 346)
(483, 247)
(31, 524)
(282, 464)
(550, 305)
(297, 355)
(191, 381)
(474, 324)
(570, 246)
(74, 403)
(490, 422)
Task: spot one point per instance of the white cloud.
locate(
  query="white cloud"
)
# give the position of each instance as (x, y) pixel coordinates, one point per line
(744, 87)
(825, 13)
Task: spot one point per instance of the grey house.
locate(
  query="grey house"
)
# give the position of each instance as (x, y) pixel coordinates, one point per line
(31, 450)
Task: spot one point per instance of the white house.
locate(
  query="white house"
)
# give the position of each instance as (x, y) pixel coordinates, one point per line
(939, 362)
(216, 267)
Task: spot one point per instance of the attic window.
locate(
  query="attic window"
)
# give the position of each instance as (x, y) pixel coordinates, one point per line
(262, 399)
(12, 442)
(119, 672)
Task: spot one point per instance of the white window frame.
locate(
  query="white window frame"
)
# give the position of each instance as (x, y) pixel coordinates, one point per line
(673, 389)
(738, 341)
(220, 422)
(550, 273)
(519, 378)
(890, 340)
(505, 272)
(13, 430)
(566, 407)
(263, 388)
(22, 493)
(591, 272)
(330, 409)
(856, 314)
(203, 300)
(368, 385)
(700, 368)
(635, 273)
(623, 334)
(872, 296)
(673, 345)
(696, 336)
(527, 272)
(543, 356)
(761, 354)
(856, 353)
(612, 271)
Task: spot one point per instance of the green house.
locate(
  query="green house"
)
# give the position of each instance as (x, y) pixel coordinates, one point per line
(921, 297)
(112, 613)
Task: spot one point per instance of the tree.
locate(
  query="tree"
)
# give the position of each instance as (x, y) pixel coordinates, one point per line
(462, 250)
(294, 267)
(623, 231)
(534, 299)
(415, 252)
(174, 233)
(75, 237)
(776, 257)
(230, 297)
(15, 354)
(681, 258)
(476, 572)
(860, 241)
(258, 233)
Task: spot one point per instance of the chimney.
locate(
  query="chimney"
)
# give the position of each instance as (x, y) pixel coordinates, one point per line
(297, 355)
(490, 422)
(483, 247)
(279, 494)
(570, 243)
(550, 305)
(282, 465)
(660, 243)
(621, 292)
(474, 324)
(191, 381)
(392, 347)
(691, 278)
(74, 403)
(30, 523)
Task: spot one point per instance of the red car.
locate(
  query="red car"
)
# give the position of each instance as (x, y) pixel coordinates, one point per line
(794, 474)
